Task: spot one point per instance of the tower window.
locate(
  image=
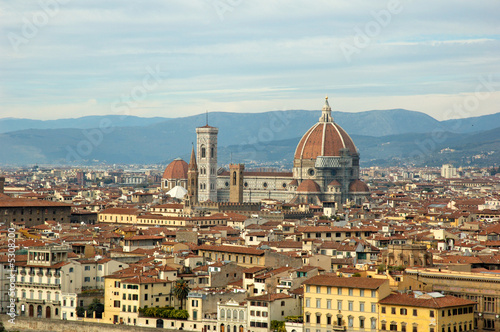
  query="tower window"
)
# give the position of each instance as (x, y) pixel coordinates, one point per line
(212, 152)
(310, 172)
(203, 151)
(264, 184)
(234, 178)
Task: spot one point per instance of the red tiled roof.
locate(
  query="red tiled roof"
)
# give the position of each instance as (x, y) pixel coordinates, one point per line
(425, 301)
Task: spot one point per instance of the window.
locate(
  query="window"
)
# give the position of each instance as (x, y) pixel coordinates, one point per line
(489, 304)
(350, 321)
(350, 306)
(351, 292)
(308, 288)
(415, 313)
(100, 267)
(318, 319)
(308, 302)
(431, 313)
(318, 303)
(403, 327)
(383, 327)
(403, 311)
(489, 324)
(308, 318)
(361, 306)
(328, 320)
(318, 289)
(383, 310)
(328, 290)
(361, 292)
(222, 313)
(393, 326)
(339, 291)
(373, 324)
(328, 304)
(374, 293)
(361, 323)
(374, 307)
(415, 328)
(87, 279)
(393, 310)
(116, 304)
(339, 305)
(87, 268)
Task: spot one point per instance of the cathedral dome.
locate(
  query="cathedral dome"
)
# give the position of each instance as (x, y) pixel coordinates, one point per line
(358, 186)
(308, 186)
(177, 169)
(325, 138)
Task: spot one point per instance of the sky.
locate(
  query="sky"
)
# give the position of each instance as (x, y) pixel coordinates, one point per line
(173, 58)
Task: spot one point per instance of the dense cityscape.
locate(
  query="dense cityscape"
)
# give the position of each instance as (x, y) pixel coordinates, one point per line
(327, 246)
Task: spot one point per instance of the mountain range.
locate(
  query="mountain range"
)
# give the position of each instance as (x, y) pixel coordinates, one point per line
(383, 137)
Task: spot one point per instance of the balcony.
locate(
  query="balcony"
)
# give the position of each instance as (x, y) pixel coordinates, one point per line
(34, 301)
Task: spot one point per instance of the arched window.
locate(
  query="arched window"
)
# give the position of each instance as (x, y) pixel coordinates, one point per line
(228, 314)
(222, 313)
(235, 315)
(242, 315)
(234, 178)
(212, 152)
(203, 151)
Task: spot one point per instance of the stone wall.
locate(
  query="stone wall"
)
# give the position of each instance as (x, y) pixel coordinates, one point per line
(52, 325)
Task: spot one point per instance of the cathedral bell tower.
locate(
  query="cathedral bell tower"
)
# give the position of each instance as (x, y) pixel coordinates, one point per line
(206, 145)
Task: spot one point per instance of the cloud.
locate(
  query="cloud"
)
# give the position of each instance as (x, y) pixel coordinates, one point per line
(253, 56)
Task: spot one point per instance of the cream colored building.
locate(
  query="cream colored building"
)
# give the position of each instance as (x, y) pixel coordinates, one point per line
(119, 215)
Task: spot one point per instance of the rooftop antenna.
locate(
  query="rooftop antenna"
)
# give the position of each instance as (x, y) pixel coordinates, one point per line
(231, 157)
(206, 112)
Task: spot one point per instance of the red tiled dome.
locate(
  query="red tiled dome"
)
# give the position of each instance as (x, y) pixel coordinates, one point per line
(324, 139)
(308, 186)
(177, 169)
(358, 186)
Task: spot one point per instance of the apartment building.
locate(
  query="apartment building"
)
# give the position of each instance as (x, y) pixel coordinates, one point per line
(425, 312)
(335, 303)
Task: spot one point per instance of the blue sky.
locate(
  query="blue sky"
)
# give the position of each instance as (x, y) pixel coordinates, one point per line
(69, 58)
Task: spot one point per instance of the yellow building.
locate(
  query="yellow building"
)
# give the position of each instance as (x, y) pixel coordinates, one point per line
(124, 295)
(421, 312)
(119, 215)
(335, 303)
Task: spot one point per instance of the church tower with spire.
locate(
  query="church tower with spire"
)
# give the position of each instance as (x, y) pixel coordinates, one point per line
(192, 184)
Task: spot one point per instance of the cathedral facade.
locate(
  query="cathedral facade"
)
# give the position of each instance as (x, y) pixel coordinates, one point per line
(325, 168)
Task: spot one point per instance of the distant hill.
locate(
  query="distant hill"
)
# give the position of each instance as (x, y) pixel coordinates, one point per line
(381, 136)
(14, 124)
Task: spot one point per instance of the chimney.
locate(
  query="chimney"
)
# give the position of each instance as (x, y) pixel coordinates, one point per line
(2, 184)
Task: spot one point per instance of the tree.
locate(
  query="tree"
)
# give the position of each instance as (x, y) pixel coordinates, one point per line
(80, 311)
(278, 326)
(181, 290)
(96, 306)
